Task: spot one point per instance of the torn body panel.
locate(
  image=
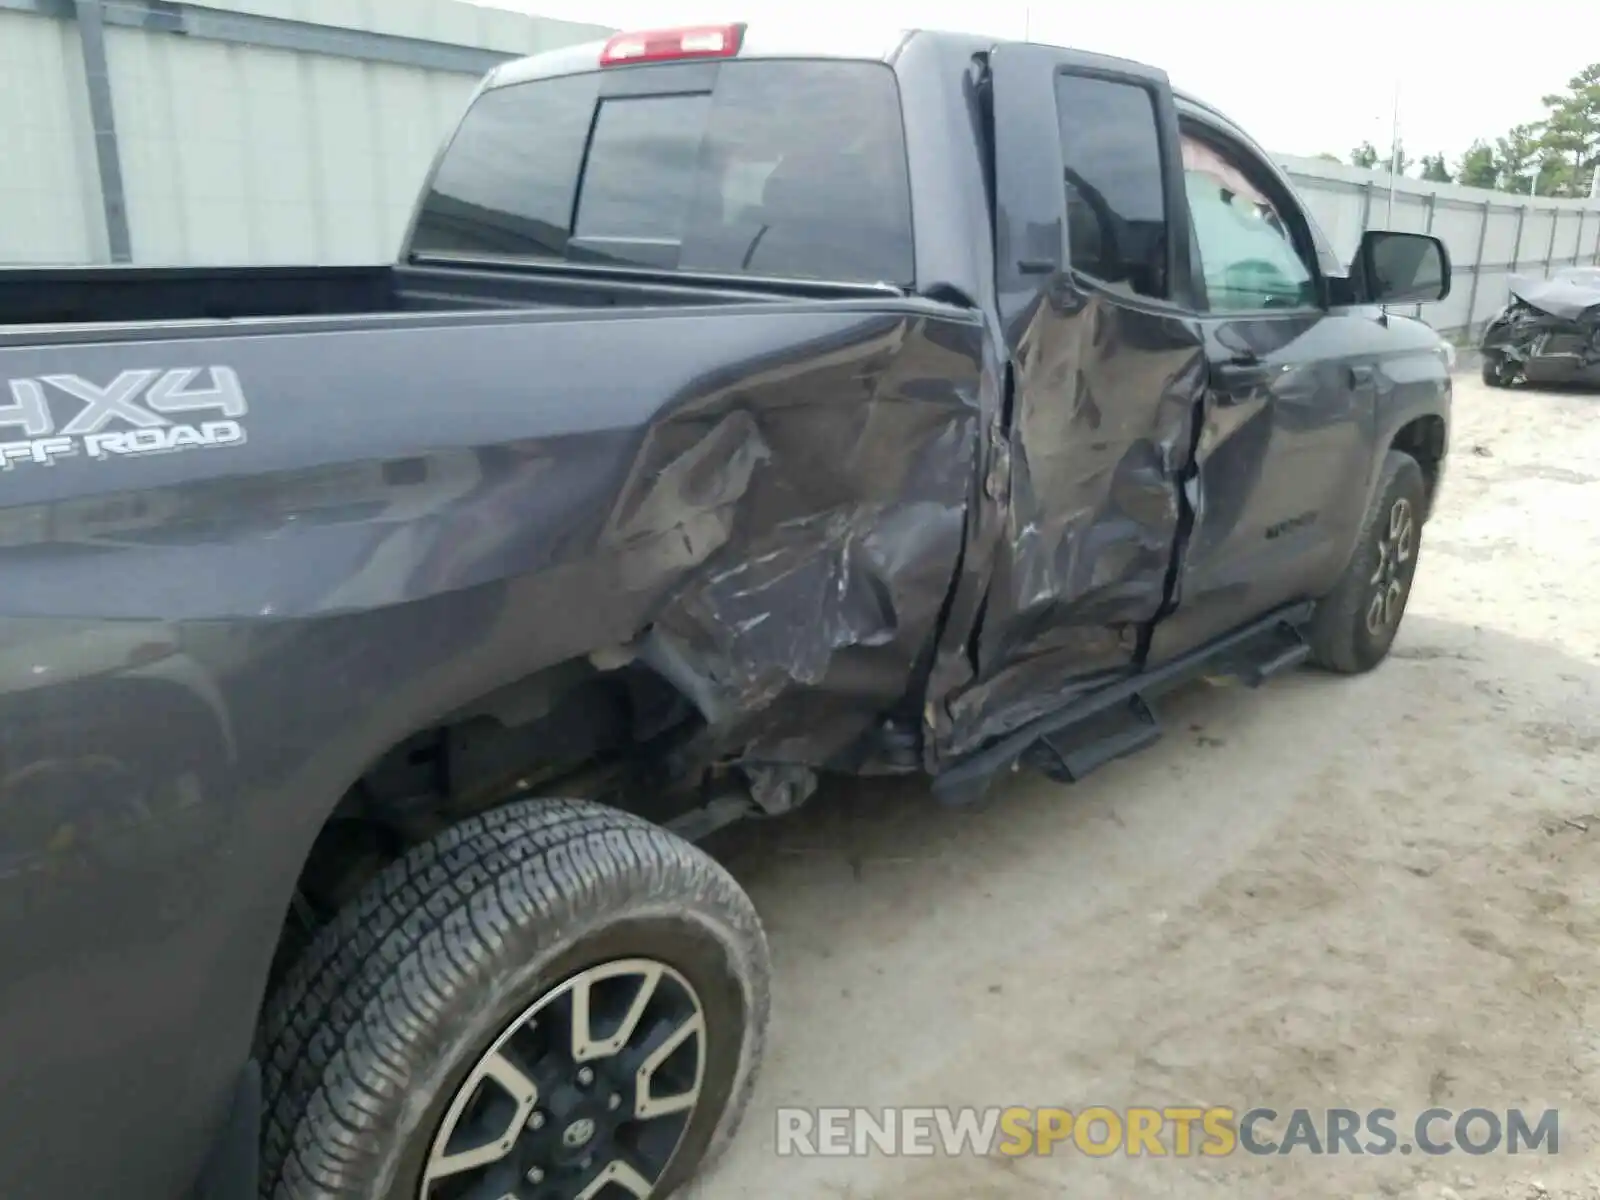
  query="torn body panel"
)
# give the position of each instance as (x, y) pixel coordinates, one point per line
(817, 625)
(780, 495)
(1550, 332)
(1104, 400)
(1095, 429)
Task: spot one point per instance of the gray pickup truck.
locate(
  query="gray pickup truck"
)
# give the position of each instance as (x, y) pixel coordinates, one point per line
(376, 643)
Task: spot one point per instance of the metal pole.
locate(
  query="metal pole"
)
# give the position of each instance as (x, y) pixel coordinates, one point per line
(103, 119)
(1550, 251)
(1577, 246)
(1516, 252)
(1477, 265)
(1394, 153)
(1433, 205)
(1366, 206)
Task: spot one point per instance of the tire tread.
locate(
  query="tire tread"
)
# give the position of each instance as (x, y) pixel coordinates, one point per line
(1337, 624)
(335, 1036)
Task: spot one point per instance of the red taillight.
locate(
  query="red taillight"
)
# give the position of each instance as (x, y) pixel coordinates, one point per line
(664, 45)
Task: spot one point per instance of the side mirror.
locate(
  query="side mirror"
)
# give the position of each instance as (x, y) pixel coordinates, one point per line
(1400, 268)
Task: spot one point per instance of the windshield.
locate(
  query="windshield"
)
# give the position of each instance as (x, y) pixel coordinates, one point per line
(786, 169)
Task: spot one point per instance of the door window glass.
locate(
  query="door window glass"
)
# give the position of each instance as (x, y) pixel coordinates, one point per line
(1246, 249)
(1116, 209)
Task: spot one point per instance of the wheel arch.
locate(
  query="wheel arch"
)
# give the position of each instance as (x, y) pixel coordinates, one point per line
(422, 772)
(1424, 438)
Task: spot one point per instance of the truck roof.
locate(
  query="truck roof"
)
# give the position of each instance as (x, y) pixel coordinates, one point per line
(869, 43)
(865, 42)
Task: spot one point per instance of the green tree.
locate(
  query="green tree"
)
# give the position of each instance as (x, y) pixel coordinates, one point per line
(1478, 166)
(1396, 157)
(1516, 154)
(1364, 155)
(1553, 156)
(1434, 170)
(1572, 126)
(1555, 175)
(1326, 157)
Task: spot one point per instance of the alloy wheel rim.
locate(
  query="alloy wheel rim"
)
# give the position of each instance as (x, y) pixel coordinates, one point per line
(584, 1096)
(1396, 549)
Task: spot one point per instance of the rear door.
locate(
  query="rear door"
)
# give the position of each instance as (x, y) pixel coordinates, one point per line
(1106, 370)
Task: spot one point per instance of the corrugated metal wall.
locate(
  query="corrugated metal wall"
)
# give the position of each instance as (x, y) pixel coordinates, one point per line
(1491, 235)
(246, 131)
(296, 131)
(239, 154)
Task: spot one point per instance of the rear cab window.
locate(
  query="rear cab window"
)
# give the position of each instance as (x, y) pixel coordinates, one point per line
(788, 169)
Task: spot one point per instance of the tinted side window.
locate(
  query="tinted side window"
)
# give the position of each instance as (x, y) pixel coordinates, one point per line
(655, 138)
(1116, 209)
(1246, 248)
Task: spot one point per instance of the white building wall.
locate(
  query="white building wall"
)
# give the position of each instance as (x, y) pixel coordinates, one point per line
(237, 153)
(49, 188)
(232, 151)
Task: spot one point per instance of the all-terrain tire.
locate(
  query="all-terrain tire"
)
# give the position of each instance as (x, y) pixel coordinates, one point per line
(1341, 635)
(382, 1018)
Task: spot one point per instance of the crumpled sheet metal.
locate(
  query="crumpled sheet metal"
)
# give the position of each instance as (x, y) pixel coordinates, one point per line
(847, 487)
(778, 492)
(1100, 447)
(1554, 332)
(1573, 294)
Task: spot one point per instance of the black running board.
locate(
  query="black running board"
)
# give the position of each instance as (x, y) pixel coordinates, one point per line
(1119, 720)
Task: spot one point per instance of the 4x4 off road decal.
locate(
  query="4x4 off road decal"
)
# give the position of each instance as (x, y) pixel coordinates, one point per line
(137, 413)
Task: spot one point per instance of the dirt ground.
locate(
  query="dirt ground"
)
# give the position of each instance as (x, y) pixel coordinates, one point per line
(1373, 892)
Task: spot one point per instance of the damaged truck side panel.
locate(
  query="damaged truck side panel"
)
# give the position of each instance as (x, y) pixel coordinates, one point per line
(237, 633)
(336, 562)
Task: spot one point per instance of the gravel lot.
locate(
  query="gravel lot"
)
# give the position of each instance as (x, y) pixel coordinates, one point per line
(1331, 893)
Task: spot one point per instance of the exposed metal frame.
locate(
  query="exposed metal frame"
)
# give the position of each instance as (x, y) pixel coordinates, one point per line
(209, 24)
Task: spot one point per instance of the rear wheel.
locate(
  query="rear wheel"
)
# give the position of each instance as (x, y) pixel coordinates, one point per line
(553, 1001)
(1356, 623)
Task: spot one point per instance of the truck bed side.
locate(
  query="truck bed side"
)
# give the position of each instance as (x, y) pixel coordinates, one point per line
(237, 568)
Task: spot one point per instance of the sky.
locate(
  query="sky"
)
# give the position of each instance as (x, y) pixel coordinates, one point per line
(1302, 76)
